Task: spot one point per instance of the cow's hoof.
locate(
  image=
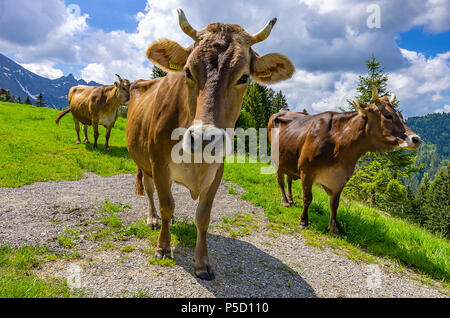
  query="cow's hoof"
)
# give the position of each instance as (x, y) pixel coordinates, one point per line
(334, 231)
(78, 142)
(291, 203)
(94, 148)
(207, 275)
(107, 149)
(162, 254)
(303, 226)
(153, 223)
(286, 204)
(86, 141)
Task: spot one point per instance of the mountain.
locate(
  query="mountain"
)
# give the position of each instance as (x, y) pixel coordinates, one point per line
(435, 129)
(435, 151)
(23, 83)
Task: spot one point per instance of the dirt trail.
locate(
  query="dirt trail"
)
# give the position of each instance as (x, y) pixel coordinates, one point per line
(260, 264)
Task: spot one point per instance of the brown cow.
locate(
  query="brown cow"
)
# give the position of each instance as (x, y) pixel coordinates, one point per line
(324, 148)
(206, 83)
(96, 105)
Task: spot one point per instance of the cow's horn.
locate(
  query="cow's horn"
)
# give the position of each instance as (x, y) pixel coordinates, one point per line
(374, 93)
(265, 32)
(186, 27)
(393, 98)
(120, 79)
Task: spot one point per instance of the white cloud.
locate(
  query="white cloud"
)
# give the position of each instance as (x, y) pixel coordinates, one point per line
(446, 109)
(44, 70)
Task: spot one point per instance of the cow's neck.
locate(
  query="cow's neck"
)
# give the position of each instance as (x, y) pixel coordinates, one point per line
(355, 142)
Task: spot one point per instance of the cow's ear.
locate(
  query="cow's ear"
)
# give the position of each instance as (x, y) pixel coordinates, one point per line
(361, 107)
(271, 68)
(168, 55)
(116, 84)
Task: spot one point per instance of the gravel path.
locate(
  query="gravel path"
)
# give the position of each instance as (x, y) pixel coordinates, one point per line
(256, 265)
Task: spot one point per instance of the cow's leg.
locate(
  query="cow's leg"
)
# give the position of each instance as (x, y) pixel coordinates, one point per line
(334, 204)
(203, 268)
(289, 189)
(152, 217)
(95, 127)
(166, 208)
(77, 129)
(307, 199)
(108, 133)
(280, 179)
(85, 130)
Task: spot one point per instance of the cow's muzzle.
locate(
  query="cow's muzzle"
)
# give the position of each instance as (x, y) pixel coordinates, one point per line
(411, 142)
(207, 141)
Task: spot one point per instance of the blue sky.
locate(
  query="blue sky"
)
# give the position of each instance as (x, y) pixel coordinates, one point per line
(328, 41)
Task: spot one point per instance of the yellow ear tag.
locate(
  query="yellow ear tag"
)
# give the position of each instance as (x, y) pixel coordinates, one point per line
(174, 66)
(265, 74)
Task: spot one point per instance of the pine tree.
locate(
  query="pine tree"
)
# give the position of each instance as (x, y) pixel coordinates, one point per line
(19, 100)
(157, 72)
(40, 101)
(28, 101)
(423, 201)
(439, 203)
(375, 77)
(279, 102)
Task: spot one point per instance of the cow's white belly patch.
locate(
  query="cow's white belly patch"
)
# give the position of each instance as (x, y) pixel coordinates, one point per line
(332, 178)
(197, 178)
(107, 119)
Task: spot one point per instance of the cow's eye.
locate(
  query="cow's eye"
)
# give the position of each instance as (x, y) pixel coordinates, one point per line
(388, 116)
(189, 74)
(243, 79)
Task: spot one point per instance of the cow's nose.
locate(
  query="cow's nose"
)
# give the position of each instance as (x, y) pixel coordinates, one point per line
(416, 140)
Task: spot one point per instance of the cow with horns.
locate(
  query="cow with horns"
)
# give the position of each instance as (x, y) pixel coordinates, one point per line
(203, 94)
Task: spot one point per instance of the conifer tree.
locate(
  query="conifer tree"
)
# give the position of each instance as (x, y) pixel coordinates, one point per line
(40, 101)
(439, 203)
(28, 101)
(157, 72)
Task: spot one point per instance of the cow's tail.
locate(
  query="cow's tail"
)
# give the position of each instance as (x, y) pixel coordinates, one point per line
(62, 114)
(138, 185)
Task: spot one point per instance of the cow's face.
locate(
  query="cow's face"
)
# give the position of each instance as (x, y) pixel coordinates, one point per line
(217, 69)
(386, 125)
(123, 89)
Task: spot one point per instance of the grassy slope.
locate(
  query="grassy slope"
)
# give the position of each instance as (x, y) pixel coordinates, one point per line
(361, 226)
(33, 148)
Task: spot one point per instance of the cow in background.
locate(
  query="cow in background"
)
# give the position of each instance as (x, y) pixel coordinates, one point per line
(205, 84)
(324, 148)
(96, 106)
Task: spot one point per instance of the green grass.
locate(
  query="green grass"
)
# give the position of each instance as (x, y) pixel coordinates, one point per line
(17, 279)
(33, 148)
(362, 227)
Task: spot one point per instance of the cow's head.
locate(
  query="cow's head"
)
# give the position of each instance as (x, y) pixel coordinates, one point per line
(217, 68)
(123, 89)
(386, 125)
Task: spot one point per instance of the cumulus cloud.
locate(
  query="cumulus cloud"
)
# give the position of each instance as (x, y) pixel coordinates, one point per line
(41, 31)
(44, 70)
(446, 109)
